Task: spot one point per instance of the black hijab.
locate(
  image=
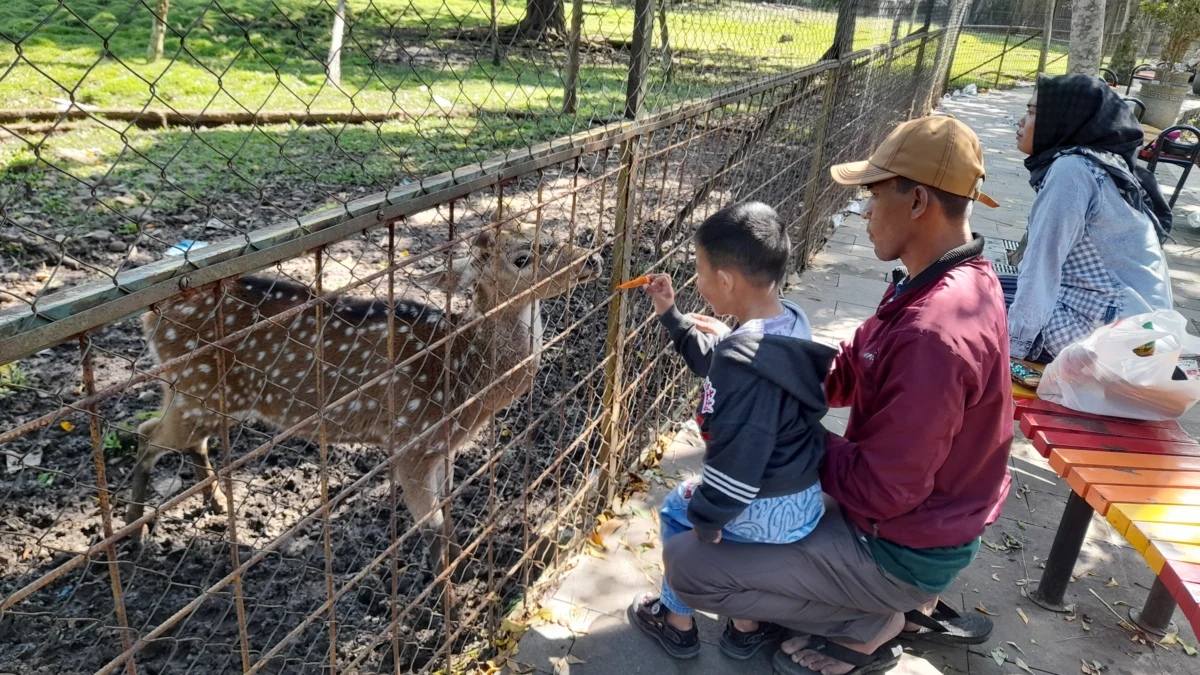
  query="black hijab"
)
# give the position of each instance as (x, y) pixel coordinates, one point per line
(1081, 115)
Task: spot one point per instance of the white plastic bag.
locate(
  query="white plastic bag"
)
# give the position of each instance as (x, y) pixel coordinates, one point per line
(1102, 375)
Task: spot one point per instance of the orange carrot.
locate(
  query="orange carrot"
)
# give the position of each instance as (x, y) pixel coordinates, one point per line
(634, 283)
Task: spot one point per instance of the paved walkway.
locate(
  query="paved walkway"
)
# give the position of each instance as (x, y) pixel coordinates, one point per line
(586, 613)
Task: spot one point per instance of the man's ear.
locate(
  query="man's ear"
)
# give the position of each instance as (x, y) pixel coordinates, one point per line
(457, 278)
(920, 201)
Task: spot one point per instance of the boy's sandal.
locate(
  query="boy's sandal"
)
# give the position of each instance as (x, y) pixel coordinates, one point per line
(884, 658)
(648, 613)
(946, 626)
(738, 645)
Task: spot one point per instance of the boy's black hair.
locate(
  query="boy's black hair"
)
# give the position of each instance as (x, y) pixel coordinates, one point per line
(749, 238)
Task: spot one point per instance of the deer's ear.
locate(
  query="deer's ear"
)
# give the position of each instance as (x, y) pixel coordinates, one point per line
(457, 278)
(484, 242)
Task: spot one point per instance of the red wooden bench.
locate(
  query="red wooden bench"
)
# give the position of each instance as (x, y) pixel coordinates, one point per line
(1144, 477)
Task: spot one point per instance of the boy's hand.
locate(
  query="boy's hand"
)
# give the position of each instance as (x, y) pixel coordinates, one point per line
(661, 292)
(708, 537)
(707, 324)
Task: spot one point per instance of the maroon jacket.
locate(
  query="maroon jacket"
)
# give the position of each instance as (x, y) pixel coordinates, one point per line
(924, 462)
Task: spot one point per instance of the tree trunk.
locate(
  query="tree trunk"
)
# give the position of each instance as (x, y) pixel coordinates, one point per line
(1124, 57)
(334, 67)
(158, 31)
(543, 19)
(1087, 37)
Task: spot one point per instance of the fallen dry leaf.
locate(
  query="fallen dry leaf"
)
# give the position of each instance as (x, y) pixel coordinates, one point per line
(1024, 618)
(1070, 617)
(983, 610)
(1187, 649)
(1112, 581)
(996, 577)
(520, 668)
(1022, 665)
(573, 659)
(1016, 645)
(1169, 639)
(999, 656)
(67, 426)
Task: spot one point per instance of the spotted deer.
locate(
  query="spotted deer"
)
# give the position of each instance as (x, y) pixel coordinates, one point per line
(272, 376)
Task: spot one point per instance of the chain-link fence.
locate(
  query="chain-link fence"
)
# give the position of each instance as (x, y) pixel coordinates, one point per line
(366, 454)
(1003, 43)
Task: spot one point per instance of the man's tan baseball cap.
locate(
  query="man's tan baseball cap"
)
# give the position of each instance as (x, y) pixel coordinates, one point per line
(937, 151)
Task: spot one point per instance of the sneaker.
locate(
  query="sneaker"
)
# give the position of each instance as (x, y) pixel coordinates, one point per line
(648, 613)
(738, 645)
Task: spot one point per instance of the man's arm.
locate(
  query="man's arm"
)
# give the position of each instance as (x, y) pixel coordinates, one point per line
(840, 382)
(741, 432)
(889, 468)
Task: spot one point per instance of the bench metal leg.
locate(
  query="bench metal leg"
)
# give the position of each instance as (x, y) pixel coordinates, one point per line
(1155, 617)
(1063, 553)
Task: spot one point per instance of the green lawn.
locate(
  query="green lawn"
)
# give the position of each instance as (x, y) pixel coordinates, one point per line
(976, 60)
(399, 55)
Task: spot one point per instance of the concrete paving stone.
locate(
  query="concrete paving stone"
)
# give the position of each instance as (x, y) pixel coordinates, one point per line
(605, 586)
(840, 293)
(868, 290)
(614, 647)
(852, 249)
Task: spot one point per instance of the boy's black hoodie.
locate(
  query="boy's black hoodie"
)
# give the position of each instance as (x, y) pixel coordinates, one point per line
(759, 414)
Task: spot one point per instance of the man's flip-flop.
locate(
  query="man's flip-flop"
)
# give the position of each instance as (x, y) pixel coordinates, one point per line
(946, 626)
(883, 660)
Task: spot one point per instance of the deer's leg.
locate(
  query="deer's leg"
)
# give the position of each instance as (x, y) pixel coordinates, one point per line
(424, 485)
(197, 456)
(147, 456)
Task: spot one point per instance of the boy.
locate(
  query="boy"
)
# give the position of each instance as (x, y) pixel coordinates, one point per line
(759, 413)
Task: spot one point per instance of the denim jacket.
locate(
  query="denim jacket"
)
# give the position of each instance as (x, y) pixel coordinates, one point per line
(1090, 259)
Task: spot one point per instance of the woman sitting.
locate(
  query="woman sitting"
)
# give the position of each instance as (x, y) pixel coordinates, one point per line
(1093, 252)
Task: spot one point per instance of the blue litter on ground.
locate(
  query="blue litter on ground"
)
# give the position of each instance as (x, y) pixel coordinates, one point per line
(185, 246)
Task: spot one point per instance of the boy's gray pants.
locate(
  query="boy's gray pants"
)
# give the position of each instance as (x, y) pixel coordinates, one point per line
(825, 584)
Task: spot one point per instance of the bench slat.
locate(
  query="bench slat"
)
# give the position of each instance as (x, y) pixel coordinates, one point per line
(1100, 496)
(1036, 405)
(1032, 422)
(1045, 441)
(1121, 516)
(1159, 552)
(1140, 534)
(1081, 478)
(1062, 460)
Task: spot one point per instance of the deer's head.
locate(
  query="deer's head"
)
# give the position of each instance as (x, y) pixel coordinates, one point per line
(502, 265)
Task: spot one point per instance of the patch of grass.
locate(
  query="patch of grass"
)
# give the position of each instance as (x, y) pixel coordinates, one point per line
(976, 60)
(12, 376)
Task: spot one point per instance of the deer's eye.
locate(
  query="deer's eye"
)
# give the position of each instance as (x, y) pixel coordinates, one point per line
(522, 260)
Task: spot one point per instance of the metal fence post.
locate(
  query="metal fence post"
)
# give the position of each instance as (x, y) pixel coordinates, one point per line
(1047, 36)
(918, 71)
(1004, 51)
(570, 94)
(614, 345)
(948, 47)
(639, 58)
(813, 179)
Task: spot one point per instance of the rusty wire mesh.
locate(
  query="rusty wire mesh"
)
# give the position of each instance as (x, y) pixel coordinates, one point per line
(454, 294)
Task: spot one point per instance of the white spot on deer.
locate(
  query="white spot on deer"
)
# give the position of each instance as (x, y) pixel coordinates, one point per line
(302, 335)
(209, 301)
(351, 370)
(422, 378)
(366, 354)
(312, 320)
(202, 385)
(401, 421)
(328, 342)
(229, 320)
(229, 301)
(190, 413)
(405, 370)
(401, 328)
(187, 372)
(262, 356)
(432, 319)
(171, 334)
(295, 298)
(308, 356)
(456, 364)
(278, 295)
(438, 396)
(344, 347)
(190, 344)
(276, 372)
(270, 398)
(349, 330)
(355, 406)
(209, 335)
(291, 356)
(371, 404)
(187, 310)
(414, 404)
(253, 343)
(204, 368)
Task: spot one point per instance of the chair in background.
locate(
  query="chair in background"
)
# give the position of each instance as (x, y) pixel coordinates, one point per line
(1178, 151)
(1136, 106)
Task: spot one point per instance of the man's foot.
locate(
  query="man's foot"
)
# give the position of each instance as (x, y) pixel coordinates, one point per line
(649, 614)
(809, 654)
(821, 657)
(741, 645)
